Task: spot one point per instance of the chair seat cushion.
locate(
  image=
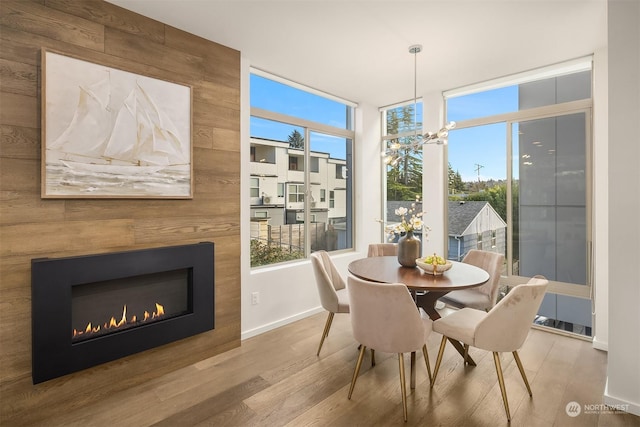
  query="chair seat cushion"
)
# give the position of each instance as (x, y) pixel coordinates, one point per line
(343, 301)
(460, 325)
(468, 298)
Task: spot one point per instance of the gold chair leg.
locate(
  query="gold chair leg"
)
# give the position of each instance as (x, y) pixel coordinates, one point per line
(524, 376)
(373, 357)
(327, 326)
(403, 387)
(426, 360)
(438, 360)
(357, 370)
(466, 354)
(503, 390)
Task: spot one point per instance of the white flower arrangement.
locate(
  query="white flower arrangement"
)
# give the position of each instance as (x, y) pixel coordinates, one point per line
(410, 221)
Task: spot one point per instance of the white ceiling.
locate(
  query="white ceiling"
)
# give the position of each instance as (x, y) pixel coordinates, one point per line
(359, 49)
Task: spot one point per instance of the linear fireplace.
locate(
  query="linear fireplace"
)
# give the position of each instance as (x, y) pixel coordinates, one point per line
(88, 310)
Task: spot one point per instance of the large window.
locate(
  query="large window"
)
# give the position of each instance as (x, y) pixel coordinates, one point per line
(519, 168)
(301, 140)
(403, 178)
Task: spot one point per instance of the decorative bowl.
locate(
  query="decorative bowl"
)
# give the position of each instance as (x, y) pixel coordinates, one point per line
(428, 268)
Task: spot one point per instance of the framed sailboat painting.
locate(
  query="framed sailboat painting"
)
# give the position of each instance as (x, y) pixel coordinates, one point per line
(110, 133)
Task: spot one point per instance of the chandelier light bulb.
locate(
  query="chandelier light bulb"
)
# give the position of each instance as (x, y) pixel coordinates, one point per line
(396, 150)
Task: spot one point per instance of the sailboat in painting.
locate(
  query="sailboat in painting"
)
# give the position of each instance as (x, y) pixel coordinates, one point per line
(131, 138)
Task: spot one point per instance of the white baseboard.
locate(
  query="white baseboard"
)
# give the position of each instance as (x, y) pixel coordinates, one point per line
(630, 407)
(273, 325)
(600, 345)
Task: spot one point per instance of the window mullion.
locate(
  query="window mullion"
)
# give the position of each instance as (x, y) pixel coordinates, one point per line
(307, 192)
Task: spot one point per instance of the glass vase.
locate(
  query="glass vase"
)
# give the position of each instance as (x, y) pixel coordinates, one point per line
(408, 249)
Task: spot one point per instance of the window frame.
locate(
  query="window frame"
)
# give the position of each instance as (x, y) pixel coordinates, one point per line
(386, 138)
(309, 127)
(584, 106)
(252, 180)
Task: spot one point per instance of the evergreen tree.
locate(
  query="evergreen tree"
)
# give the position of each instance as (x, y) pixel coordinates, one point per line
(296, 140)
(404, 179)
(456, 185)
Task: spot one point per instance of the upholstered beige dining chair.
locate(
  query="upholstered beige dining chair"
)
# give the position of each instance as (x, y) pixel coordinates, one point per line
(504, 328)
(485, 296)
(382, 249)
(385, 317)
(331, 287)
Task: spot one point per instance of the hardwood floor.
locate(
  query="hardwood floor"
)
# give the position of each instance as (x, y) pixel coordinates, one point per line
(275, 379)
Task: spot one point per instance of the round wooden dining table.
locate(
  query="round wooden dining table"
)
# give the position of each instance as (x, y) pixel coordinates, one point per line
(426, 288)
(386, 269)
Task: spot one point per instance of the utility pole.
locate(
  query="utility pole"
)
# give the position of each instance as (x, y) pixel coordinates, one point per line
(478, 167)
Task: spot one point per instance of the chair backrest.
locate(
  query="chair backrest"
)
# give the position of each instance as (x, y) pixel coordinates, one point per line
(328, 280)
(385, 317)
(507, 325)
(382, 249)
(492, 263)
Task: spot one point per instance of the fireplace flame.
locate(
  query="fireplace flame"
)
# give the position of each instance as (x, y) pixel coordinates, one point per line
(114, 324)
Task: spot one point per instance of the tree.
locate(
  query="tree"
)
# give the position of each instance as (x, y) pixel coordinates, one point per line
(296, 140)
(456, 185)
(496, 196)
(404, 179)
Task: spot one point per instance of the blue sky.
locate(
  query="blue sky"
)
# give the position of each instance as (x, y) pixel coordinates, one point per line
(274, 96)
(464, 154)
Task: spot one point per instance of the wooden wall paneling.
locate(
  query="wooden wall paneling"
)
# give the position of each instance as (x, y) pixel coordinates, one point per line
(217, 162)
(218, 117)
(112, 16)
(134, 209)
(223, 137)
(217, 204)
(176, 229)
(210, 189)
(216, 93)
(38, 19)
(20, 175)
(31, 227)
(218, 61)
(137, 209)
(138, 50)
(202, 136)
(15, 331)
(20, 110)
(218, 69)
(16, 77)
(18, 142)
(14, 50)
(17, 207)
(50, 237)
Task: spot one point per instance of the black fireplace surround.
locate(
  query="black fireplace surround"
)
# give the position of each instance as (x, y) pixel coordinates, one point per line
(185, 273)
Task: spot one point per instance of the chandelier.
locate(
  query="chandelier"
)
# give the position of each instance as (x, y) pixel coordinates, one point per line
(400, 148)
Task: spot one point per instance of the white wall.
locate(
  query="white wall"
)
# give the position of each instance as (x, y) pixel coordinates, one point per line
(623, 371)
(600, 203)
(433, 177)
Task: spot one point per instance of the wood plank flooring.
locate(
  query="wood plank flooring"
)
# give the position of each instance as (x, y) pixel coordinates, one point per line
(275, 379)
